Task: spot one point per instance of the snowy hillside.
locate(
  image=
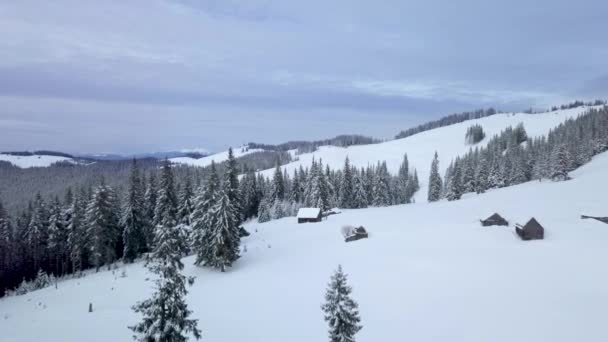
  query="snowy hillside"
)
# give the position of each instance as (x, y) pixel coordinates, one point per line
(218, 157)
(449, 142)
(428, 272)
(32, 161)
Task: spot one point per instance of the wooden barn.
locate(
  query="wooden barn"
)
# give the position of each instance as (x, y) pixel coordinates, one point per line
(309, 215)
(494, 220)
(531, 230)
(601, 219)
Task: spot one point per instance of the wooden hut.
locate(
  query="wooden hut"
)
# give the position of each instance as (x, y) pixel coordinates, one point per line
(356, 234)
(309, 215)
(601, 219)
(531, 230)
(494, 220)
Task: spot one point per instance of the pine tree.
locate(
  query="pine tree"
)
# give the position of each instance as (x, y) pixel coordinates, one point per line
(435, 182)
(560, 163)
(78, 243)
(360, 195)
(224, 239)
(7, 248)
(133, 220)
(278, 185)
(150, 199)
(346, 187)
(341, 311)
(165, 213)
(203, 219)
(231, 184)
(381, 192)
(455, 188)
(37, 233)
(102, 226)
(58, 236)
(402, 182)
(185, 206)
(165, 314)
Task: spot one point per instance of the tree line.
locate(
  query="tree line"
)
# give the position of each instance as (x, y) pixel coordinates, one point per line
(512, 157)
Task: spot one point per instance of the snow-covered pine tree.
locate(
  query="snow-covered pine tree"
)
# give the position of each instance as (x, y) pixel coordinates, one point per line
(165, 313)
(341, 311)
(412, 186)
(150, 198)
(36, 234)
(481, 176)
(435, 182)
(224, 239)
(231, 185)
(381, 191)
(560, 163)
(58, 235)
(78, 243)
(185, 205)
(264, 211)
(278, 185)
(133, 218)
(102, 226)
(346, 186)
(403, 177)
(165, 213)
(360, 195)
(455, 188)
(7, 247)
(203, 219)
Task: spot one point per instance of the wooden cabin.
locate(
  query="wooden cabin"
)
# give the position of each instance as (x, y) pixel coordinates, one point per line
(531, 230)
(494, 220)
(354, 234)
(309, 215)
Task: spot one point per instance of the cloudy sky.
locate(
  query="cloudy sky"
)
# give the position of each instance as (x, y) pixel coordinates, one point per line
(154, 75)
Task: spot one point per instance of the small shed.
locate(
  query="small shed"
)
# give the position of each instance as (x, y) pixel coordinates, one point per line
(531, 230)
(601, 219)
(357, 234)
(309, 215)
(494, 220)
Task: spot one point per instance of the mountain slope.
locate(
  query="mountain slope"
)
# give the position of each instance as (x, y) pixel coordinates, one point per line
(449, 142)
(33, 160)
(217, 157)
(428, 272)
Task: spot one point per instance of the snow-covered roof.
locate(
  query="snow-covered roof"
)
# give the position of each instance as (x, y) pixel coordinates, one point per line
(309, 213)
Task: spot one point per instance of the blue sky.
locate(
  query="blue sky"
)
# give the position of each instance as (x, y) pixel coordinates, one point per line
(150, 75)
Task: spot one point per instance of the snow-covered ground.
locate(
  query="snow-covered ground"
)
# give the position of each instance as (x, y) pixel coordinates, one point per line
(32, 161)
(449, 142)
(218, 157)
(428, 272)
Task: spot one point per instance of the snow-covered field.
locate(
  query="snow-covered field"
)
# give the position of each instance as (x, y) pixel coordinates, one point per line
(428, 272)
(32, 161)
(449, 142)
(218, 157)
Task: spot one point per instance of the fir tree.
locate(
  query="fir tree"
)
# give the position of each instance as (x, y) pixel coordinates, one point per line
(165, 213)
(435, 182)
(455, 188)
(346, 187)
(278, 185)
(133, 220)
(58, 236)
(560, 163)
(102, 226)
(341, 311)
(185, 206)
(78, 243)
(224, 239)
(203, 219)
(231, 185)
(166, 314)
